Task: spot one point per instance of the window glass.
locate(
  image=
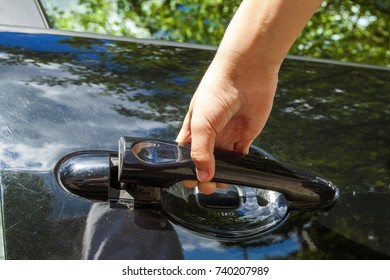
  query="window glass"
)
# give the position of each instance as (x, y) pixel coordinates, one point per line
(114, 17)
(351, 31)
(194, 21)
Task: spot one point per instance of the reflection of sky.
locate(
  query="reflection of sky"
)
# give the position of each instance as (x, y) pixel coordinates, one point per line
(31, 41)
(39, 122)
(197, 247)
(42, 42)
(56, 44)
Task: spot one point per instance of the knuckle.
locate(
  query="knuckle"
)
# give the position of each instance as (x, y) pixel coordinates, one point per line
(201, 157)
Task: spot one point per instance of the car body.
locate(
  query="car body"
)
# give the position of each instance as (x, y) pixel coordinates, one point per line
(67, 92)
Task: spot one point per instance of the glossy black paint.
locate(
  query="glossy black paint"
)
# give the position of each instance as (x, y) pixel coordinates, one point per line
(61, 94)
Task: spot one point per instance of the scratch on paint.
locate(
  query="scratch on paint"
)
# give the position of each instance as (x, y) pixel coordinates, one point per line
(9, 129)
(63, 115)
(16, 116)
(60, 215)
(25, 218)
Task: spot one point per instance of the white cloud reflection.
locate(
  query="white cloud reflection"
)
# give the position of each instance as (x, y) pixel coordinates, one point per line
(40, 123)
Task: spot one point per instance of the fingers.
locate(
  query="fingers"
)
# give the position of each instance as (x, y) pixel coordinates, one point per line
(190, 184)
(222, 185)
(206, 188)
(184, 135)
(242, 146)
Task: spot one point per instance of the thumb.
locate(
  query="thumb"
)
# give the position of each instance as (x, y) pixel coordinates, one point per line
(202, 138)
(202, 151)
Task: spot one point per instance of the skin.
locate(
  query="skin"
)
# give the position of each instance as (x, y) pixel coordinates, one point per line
(234, 98)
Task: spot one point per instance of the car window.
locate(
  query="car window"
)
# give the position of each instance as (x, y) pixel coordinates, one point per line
(201, 22)
(113, 17)
(350, 31)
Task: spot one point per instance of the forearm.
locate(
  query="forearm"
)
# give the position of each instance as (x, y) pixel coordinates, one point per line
(262, 31)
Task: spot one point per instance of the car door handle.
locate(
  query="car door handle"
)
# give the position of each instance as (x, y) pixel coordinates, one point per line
(161, 164)
(145, 172)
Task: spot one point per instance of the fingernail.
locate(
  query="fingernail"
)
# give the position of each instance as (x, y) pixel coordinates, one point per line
(202, 175)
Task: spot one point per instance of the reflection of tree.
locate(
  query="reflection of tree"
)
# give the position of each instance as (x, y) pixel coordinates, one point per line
(307, 231)
(339, 127)
(133, 74)
(342, 30)
(314, 241)
(33, 228)
(361, 220)
(361, 234)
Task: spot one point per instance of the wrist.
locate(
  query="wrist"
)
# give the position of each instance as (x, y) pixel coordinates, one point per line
(243, 67)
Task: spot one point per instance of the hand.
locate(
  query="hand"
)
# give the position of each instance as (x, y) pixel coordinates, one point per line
(228, 110)
(234, 99)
